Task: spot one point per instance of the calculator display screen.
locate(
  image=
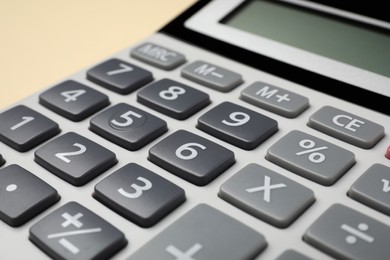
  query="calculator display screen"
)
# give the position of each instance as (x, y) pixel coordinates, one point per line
(330, 36)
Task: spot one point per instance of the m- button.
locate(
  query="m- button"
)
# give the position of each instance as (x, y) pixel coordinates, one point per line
(347, 127)
(211, 76)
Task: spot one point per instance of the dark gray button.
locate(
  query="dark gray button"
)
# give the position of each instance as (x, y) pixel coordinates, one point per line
(2, 161)
(119, 76)
(267, 195)
(373, 188)
(188, 156)
(173, 98)
(348, 234)
(23, 128)
(292, 255)
(237, 125)
(139, 195)
(212, 76)
(347, 127)
(204, 233)
(74, 232)
(23, 195)
(158, 56)
(275, 99)
(73, 100)
(128, 126)
(311, 157)
(75, 158)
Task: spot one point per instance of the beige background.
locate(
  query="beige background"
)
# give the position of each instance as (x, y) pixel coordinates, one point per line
(43, 41)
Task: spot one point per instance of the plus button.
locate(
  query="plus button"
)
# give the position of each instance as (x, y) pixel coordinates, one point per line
(72, 220)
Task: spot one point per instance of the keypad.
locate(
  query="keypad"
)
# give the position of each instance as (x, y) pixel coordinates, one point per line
(187, 155)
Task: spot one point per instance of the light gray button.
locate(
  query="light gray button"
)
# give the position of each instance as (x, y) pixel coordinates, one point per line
(275, 99)
(267, 195)
(212, 76)
(292, 255)
(204, 233)
(158, 56)
(347, 127)
(348, 234)
(373, 188)
(311, 157)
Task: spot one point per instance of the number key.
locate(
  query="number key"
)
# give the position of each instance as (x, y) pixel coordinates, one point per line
(119, 76)
(23, 128)
(74, 158)
(128, 126)
(139, 194)
(188, 156)
(237, 125)
(73, 100)
(173, 98)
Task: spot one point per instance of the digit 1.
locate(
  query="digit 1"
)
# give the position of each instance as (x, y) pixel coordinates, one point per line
(26, 119)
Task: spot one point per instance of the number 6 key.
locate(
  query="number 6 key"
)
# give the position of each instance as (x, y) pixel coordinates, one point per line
(188, 156)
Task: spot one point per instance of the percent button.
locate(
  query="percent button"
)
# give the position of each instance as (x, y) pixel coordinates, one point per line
(311, 157)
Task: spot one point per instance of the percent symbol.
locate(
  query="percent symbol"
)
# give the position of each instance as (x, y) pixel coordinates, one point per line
(314, 155)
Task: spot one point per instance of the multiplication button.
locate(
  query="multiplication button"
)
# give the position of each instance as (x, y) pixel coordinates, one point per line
(311, 157)
(74, 232)
(347, 234)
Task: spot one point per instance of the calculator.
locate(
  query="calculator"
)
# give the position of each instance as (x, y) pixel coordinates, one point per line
(242, 129)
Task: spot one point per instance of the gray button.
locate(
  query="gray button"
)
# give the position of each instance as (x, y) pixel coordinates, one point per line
(23, 195)
(119, 76)
(267, 195)
(275, 99)
(204, 233)
(158, 56)
(237, 125)
(75, 158)
(373, 188)
(212, 76)
(347, 127)
(139, 194)
(173, 98)
(188, 156)
(23, 128)
(311, 157)
(128, 126)
(347, 234)
(74, 232)
(292, 255)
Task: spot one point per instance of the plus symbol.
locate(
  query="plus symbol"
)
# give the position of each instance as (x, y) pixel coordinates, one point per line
(72, 220)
